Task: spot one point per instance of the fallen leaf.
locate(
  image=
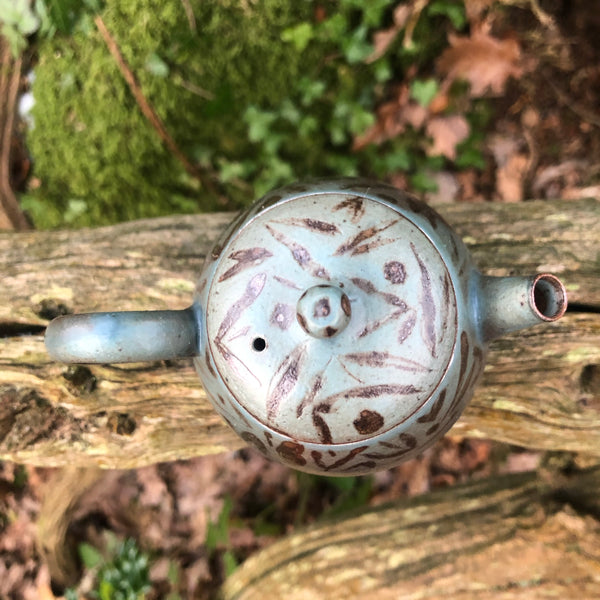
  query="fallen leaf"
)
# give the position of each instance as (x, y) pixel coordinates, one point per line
(383, 39)
(475, 8)
(503, 147)
(482, 60)
(510, 178)
(448, 188)
(580, 193)
(446, 133)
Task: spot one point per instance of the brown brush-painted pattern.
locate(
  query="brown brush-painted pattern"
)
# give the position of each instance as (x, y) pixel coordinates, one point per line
(374, 325)
(254, 440)
(318, 458)
(369, 421)
(357, 244)
(315, 388)
(292, 452)
(427, 306)
(300, 255)
(355, 204)
(284, 380)
(407, 327)
(286, 282)
(407, 443)
(433, 414)
(251, 293)
(320, 425)
(367, 286)
(373, 391)
(283, 316)
(394, 271)
(467, 376)
(245, 259)
(384, 360)
(313, 224)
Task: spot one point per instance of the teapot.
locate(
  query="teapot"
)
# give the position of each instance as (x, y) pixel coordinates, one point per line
(338, 326)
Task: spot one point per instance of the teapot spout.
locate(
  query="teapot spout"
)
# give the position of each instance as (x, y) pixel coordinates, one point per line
(508, 304)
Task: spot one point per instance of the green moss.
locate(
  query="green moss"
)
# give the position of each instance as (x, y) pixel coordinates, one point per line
(256, 93)
(98, 158)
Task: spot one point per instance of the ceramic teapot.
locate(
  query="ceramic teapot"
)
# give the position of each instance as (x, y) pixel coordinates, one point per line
(338, 326)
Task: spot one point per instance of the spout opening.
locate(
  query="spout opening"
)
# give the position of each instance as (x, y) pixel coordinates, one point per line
(548, 297)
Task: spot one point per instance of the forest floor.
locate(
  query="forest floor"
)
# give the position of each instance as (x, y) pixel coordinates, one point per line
(196, 519)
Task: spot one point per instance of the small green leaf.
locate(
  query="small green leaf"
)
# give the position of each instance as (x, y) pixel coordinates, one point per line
(356, 48)
(360, 120)
(105, 590)
(157, 66)
(423, 182)
(229, 562)
(299, 35)
(453, 10)
(259, 123)
(310, 90)
(424, 91)
(398, 160)
(470, 157)
(382, 70)
(89, 555)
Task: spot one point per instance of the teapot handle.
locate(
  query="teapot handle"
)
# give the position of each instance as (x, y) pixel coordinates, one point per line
(120, 337)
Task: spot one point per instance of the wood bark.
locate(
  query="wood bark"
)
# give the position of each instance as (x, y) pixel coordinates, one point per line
(11, 215)
(541, 387)
(516, 536)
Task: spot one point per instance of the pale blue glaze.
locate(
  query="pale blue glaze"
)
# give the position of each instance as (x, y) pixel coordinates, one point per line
(121, 337)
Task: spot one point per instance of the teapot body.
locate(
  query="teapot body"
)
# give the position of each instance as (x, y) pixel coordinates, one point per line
(385, 386)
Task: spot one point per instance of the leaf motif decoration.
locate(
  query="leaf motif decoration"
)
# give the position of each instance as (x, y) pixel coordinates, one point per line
(300, 254)
(245, 259)
(284, 380)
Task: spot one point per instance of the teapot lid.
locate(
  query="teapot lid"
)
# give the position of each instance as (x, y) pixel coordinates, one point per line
(331, 317)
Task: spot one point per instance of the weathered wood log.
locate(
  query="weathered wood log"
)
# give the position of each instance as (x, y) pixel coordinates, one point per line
(502, 538)
(541, 387)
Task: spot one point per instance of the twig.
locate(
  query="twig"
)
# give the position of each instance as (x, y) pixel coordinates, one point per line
(189, 13)
(11, 215)
(147, 109)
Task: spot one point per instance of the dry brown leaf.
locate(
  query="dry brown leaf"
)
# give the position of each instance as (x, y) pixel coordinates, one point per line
(475, 8)
(510, 178)
(448, 188)
(389, 122)
(482, 60)
(383, 39)
(446, 133)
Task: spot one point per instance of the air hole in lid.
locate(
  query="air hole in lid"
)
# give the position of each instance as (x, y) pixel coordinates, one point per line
(259, 344)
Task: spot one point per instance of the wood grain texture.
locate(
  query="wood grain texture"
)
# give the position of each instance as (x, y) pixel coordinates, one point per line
(503, 538)
(541, 387)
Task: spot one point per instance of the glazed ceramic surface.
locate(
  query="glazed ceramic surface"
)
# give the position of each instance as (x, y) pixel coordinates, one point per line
(338, 326)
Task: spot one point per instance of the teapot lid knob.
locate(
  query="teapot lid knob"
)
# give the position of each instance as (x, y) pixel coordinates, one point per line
(323, 311)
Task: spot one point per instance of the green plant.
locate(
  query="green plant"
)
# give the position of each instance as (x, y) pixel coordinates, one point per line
(286, 97)
(342, 494)
(122, 572)
(217, 538)
(18, 20)
(99, 160)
